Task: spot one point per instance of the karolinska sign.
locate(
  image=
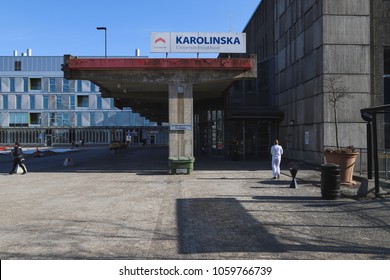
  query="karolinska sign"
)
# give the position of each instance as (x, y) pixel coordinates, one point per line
(198, 42)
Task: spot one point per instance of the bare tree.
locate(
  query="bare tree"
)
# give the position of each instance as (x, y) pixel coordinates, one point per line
(337, 92)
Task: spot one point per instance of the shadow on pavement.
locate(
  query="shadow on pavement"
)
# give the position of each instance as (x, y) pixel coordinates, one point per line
(212, 225)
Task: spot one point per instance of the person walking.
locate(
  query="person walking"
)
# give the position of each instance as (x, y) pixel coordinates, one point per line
(18, 158)
(276, 152)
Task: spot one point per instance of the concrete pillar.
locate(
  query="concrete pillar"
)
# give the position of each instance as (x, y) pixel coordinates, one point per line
(181, 147)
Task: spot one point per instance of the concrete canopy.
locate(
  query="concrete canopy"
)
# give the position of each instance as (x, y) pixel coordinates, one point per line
(143, 83)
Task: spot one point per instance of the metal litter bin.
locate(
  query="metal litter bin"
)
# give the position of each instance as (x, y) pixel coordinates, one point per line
(330, 181)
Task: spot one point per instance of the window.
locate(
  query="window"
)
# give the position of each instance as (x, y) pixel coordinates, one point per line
(18, 66)
(5, 102)
(119, 119)
(92, 119)
(94, 88)
(53, 119)
(52, 85)
(79, 86)
(105, 118)
(65, 85)
(99, 102)
(63, 119)
(12, 84)
(35, 84)
(18, 119)
(18, 102)
(72, 105)
(25, 84)
(32, 102)
(45, 102)
(82, 101)
(79, 119)
(112, 106)
(59, 102)
(35, 118)
(52, 101)
(72, 86)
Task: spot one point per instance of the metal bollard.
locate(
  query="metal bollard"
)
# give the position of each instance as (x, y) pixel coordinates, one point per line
(293, 172)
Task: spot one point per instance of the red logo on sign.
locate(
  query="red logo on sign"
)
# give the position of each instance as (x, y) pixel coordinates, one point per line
(160, 40)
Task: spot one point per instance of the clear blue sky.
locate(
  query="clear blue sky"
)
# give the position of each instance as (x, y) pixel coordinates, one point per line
(69, 27)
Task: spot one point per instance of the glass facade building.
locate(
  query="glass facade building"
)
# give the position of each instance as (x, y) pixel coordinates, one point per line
(39, 106)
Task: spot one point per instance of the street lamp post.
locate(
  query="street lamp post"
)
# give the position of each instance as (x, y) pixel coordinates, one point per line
(105, 39)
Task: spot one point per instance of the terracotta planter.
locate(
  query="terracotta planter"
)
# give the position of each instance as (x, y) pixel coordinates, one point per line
(346, 161)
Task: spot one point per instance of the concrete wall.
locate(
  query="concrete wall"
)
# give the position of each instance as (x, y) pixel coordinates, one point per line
(314, 40)
(380, 30)
(299, 56)
(380, 39)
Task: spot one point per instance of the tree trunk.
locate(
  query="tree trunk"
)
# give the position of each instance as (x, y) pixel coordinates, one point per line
(336, 126)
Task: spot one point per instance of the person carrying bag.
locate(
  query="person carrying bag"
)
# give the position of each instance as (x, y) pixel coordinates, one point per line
(18, 159)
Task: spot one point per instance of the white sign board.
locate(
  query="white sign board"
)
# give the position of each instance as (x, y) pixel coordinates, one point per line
(197, 42)
(180, 126)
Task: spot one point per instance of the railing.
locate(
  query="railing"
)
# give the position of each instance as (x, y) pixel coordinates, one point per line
(384, 160)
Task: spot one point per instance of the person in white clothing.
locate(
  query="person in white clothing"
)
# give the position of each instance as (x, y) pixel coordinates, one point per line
(277, 152)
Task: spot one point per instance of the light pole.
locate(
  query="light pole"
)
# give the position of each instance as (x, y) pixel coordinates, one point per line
(105, 39)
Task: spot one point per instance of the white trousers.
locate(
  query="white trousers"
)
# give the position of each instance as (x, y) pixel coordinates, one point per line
(276, 166)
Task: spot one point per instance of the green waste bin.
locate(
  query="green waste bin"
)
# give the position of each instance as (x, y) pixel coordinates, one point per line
(181, 165)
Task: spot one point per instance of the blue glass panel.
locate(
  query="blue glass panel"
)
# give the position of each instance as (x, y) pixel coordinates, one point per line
(52, 84)
(99, 102)
(65, 85)
(32, 102)
(72, 102)
(5, 102)
(19, 102)
(45, 102)
(25, 84)
(12, 84)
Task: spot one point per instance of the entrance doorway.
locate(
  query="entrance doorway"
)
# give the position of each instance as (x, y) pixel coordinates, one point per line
(250, 138)
(48, 140)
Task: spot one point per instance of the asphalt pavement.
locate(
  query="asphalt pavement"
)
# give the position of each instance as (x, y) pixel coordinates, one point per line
(125, 206)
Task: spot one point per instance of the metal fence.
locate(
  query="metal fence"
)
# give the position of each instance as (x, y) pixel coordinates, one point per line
(361, 162)
(378, 140)
(384, 162)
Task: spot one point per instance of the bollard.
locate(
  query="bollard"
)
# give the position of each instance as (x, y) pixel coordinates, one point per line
(330, 181)
(37, 153)
(293, 172)
(68, 162)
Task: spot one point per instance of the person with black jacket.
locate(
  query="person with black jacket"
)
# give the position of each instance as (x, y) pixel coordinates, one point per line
(18, 158)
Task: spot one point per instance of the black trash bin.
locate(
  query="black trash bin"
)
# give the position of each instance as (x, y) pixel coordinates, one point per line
(330, 181)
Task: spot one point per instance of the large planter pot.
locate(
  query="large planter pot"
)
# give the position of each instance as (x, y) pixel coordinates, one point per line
(346, 162)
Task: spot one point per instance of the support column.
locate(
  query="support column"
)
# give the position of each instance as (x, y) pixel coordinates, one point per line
(181, 147)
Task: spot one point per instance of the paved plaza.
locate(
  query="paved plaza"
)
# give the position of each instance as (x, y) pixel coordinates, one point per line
(224, 210)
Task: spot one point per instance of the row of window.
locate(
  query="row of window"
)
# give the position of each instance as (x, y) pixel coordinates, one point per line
(60, 102)
(71, 119)
(45, 85)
